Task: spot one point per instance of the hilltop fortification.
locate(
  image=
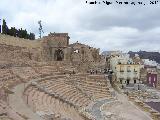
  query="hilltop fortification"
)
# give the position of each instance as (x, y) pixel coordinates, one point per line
(54, 47)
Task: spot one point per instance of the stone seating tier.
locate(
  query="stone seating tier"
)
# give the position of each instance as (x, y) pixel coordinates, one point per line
(43, 102)
(63, 92)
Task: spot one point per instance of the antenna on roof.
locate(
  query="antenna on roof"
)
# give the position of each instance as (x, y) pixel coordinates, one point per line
(40, 28)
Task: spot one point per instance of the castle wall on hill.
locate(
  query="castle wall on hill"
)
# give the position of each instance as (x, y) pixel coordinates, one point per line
(15, 41)
(14, 48)
(11, 53)
(84, 53)
(56, 40)
(54, 47)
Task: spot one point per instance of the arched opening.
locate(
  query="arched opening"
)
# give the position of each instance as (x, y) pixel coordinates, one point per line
(59, 55)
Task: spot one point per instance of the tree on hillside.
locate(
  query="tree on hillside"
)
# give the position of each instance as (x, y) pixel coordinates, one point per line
(24, 34)
(12, 31)
(0, 26)
(4, 27)
(32, 36)
(16, 32)
(19, 33)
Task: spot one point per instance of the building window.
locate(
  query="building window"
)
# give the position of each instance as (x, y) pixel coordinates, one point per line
(135, 70)
(128, 80)
(121, 81)
(135, 73)
(121, 73)
(128, 69)
(149, 80)
(121, 69)
(134, 81)
(76, 51)
(154, 79)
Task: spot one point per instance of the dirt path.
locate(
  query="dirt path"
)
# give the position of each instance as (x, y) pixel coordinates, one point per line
(127, 110)
(17, 103)
(122, 109)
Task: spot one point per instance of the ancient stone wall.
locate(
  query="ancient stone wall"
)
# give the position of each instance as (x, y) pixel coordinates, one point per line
(13, 53)
(84, 53)
(55, 46)
(14, 48)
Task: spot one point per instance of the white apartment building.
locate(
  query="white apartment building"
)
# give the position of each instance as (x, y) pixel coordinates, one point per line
(128, 73)
(124, 68)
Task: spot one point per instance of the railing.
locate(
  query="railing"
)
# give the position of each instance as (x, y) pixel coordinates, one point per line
(121, 78)
(135, 78)
(135, 73)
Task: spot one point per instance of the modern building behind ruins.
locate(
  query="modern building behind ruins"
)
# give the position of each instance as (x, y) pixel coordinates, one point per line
(149, 75)
(126, 71)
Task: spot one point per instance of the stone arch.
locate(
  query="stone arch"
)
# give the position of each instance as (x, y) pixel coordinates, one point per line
(58, 55)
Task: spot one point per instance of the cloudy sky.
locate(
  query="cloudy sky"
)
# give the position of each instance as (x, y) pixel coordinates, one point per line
(108, 27)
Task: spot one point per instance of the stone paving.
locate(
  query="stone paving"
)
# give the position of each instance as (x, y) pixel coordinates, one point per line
(95, 109)
(125, 110)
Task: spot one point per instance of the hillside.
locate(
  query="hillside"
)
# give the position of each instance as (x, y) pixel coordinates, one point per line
(147, 55)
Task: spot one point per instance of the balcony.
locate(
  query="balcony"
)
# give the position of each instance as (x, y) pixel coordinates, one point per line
(128, 77)
(121, 78)
(135, 78)
(135, 73)
(121, 70)
(128, 70)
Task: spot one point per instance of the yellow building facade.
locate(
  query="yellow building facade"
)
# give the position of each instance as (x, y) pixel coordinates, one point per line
(128, 73)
